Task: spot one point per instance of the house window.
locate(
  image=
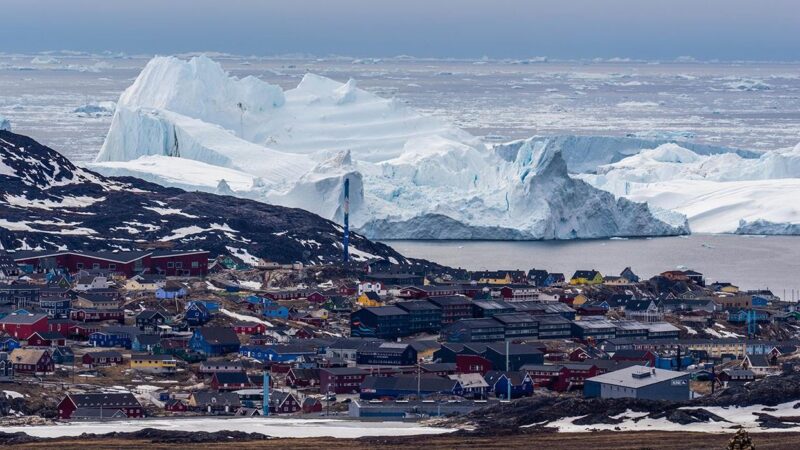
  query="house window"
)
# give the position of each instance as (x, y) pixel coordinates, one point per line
(195, 264)
(179, 265)
(96, 266)
(170, 265)
(112, 267)
(79, 266)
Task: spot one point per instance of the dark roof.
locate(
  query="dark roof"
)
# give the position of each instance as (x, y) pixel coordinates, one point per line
(203, 398)
(105, 400)
(115, 256)
(231, 378)
(386, 311)
(588, 274)
(493, 376)
(345, 370)
(427, 383)
(417, 305)
(22, 319)
(758, 360)
(451, 300)
(219, 335)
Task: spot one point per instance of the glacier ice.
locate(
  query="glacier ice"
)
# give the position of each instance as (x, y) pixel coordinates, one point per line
(190, 124)
(719, 193)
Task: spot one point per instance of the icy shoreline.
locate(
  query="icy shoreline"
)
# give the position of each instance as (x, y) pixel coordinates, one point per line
(273, 427)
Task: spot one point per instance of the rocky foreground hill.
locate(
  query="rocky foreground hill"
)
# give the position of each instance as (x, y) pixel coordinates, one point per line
(771, 403)
(48, 203)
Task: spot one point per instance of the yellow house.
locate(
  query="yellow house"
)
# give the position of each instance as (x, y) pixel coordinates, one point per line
(369, 299)
(154, 363)
(579, 300)
(145, 283)
(498, 277)
(731, 289)
(586, 277)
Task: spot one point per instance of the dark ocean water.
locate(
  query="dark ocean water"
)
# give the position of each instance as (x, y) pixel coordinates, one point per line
(749, 262)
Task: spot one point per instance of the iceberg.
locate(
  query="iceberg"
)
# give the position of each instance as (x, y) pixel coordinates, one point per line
(189, 124)
(719, 193)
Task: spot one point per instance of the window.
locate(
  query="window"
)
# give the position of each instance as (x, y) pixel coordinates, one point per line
(96, 266)
(112, 267)
(195, 264)
(170, 265)
(79, 266)
(179, 265)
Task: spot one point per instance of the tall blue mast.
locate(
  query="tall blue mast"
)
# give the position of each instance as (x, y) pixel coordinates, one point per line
(346, 239)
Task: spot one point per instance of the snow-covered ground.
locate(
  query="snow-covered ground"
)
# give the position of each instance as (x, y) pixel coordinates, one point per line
(276, 427)
(735, 416)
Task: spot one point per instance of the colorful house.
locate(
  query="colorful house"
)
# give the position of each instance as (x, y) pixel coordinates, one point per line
(586, 277)
(154, 363)
(276, 312)
(369, 299)
(197, 313)
(214, 341)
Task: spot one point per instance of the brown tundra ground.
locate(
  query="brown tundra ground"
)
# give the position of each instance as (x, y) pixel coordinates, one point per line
(579, 441)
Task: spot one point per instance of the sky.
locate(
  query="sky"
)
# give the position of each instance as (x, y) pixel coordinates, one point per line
(568, 29)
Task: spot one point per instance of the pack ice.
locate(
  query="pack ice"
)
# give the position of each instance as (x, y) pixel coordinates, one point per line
(189, 124)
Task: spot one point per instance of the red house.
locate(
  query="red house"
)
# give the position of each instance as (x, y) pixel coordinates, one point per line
(32, 361)
(102, 359)
(317, 297)
(83, 330)
(60, 326)
(341, 380)
(230, 381)
(312, 405)
(176, 405)
(635, 355)
(46, 339)
(250, 328)
(472, 364)
(298, 377)
(561, 377)
(283, 403)
(97, 315)
(109, 405)
(22, 326)
(165, 262)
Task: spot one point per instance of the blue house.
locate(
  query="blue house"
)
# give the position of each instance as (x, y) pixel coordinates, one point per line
(277, 353)
(276, 312)
(170, 292)
(741, 316)
(8, 343)
(759, 300)
(521, 384)
(113, 337)
(197, 313)
(214, 341)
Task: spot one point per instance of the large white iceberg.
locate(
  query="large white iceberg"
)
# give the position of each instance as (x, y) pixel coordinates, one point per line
(719, 193)
(190, 124)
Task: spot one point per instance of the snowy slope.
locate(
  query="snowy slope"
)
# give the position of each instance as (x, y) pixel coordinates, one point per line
(48, 203)
(409, 173)
(715, 192)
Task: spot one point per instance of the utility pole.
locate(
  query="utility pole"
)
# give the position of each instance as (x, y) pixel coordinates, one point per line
(328, 400)
(419, 374)
(508, 372)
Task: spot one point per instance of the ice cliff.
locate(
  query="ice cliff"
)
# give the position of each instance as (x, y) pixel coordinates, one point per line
(189, 124)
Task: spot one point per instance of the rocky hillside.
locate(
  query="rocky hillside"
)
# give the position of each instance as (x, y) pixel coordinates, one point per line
(49, 203)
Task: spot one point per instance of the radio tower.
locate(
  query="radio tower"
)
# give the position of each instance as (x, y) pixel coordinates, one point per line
(346, 238)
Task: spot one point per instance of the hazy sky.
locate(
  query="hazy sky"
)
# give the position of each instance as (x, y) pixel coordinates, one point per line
(650, 29)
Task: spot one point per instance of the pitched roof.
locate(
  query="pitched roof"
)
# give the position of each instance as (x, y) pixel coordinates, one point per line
(219, 335)
(124, 400)
(26, 355)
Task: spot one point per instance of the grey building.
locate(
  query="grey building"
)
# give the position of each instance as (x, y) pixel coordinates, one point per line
(639, 382)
